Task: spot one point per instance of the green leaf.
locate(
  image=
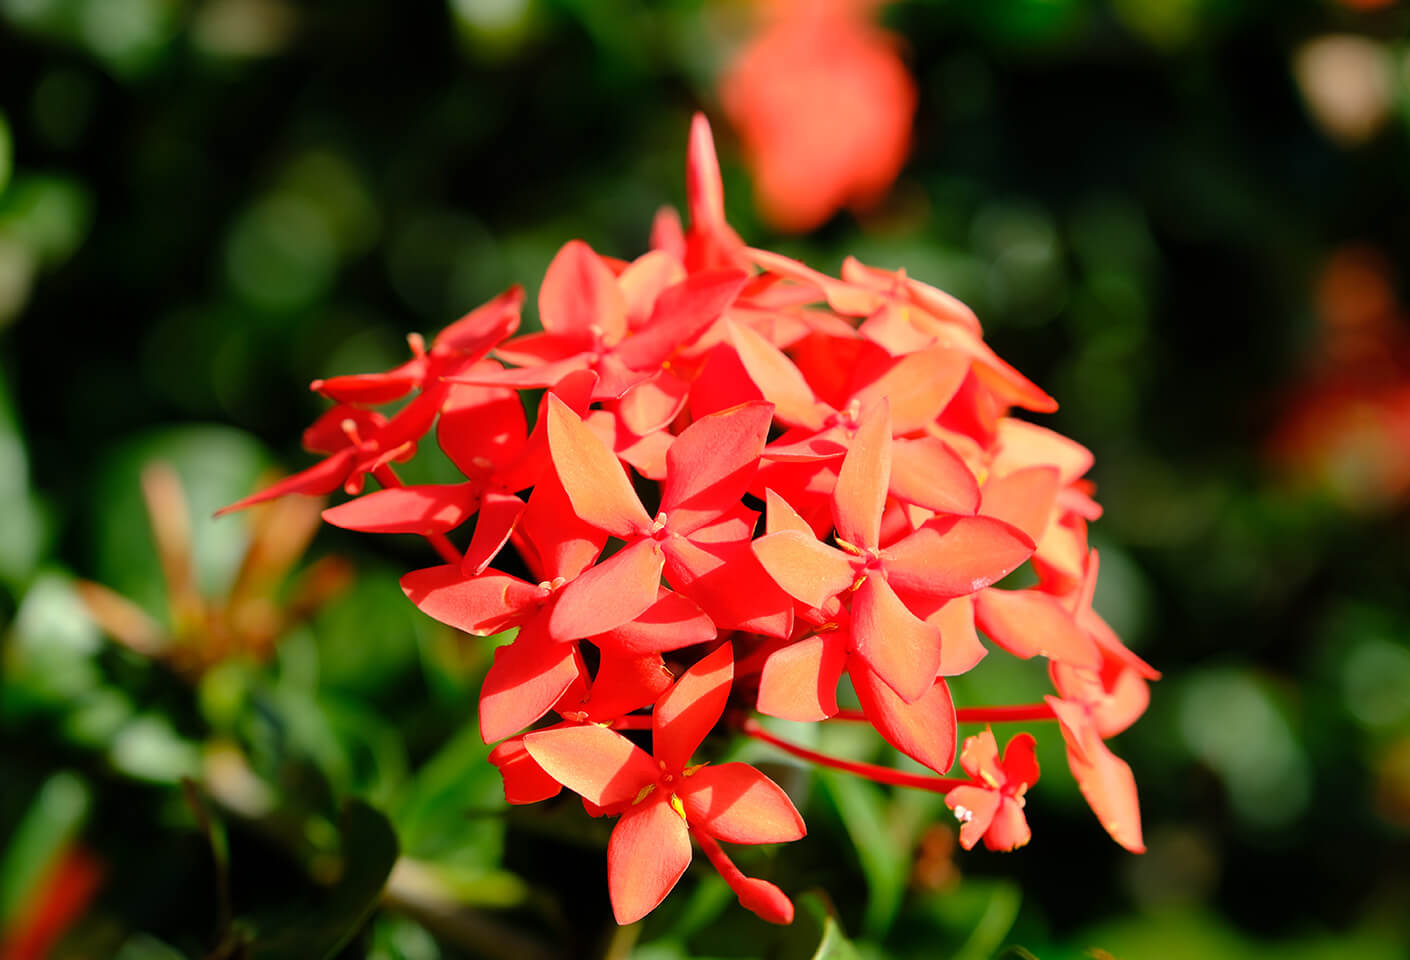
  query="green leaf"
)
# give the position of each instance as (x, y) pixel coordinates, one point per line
(58, 810)
(862, 806)
(450, 812)
(815, 933)
(310, 932)
(7, 152)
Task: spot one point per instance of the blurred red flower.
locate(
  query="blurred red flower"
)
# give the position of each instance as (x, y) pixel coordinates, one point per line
(823, 105)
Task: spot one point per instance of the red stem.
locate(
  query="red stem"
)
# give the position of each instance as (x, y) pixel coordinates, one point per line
(1014, 714)
(898, 778)
(387, 477)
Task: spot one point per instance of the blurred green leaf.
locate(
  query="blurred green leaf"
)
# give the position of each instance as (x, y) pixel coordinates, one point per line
(49, 825)
(451, 810)
(217, 466)
(320, 930)
(815, 933)
(50, 215)
(7, 152)
(862, 806)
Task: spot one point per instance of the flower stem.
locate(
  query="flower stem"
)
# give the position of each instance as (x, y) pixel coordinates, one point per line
(871, 771)
(1017, 713)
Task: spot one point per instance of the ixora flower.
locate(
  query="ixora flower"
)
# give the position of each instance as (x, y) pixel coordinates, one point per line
(802, 477)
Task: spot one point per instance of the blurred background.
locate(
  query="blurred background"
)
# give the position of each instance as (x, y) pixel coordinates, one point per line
(1189, 220)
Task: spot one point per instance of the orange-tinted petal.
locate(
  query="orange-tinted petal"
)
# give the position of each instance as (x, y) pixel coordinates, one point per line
(710, 465)
(954, 556)
(923, 730)
(859, 498)
(594, 762)
(579, 292)
(595, 482)
(646, 855)
(691, 708)
(735, 803)
(610, 594)
(807, 570)
(429, 509)
(899, 647)
(799, 681)
(1031, 623)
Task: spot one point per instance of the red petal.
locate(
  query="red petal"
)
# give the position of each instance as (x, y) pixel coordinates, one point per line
(900, 647)
(807, 570)
(1009, 831)
(1020, 762)
(1030, 623)
(975, 806)
(653, 403)
(980, 759)
(690, 708)
(648, 852)
(1105, 779)
(1023, 444)
(594, 762)
(373, 388)
(777, 378)
(499, 513)
(928, 473)
(955, 556)
(681, 313)
(328, 434)
(484, 605)
(667, 234)
(672, 622)
(729, 583)
(923, 730)
(321, 478)
(1023, 498)
(624, 684)
(525, 680)
(918, 388)
(579, 292)
(595, 482)
(566, 546)
(481, 428)
(610, 594)
(710, 465)
(799, 681)
(645, 277)
(781, 516)
(434, 508)
(735, 803)
(483, 327)
(524, 780)
(705, 191)
(960, 648)
(859, 498)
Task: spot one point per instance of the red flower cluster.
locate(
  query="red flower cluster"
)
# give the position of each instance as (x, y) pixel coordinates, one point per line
(864, 414)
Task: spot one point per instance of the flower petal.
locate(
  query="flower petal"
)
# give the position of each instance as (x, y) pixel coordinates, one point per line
(610, 594)
(735, 803)
(691, 708)
(483, 605)
(579, 293)
(596, 763)
(525, 680)
(672, 622)
(1030, 623)
(648, 852)
(428, 509)
(799, 681)
(898, 646)
(807, 570)
(710, 465)
(954, 556)
(859, 499)
(974, 807)
(595, 482)
(923, 730)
